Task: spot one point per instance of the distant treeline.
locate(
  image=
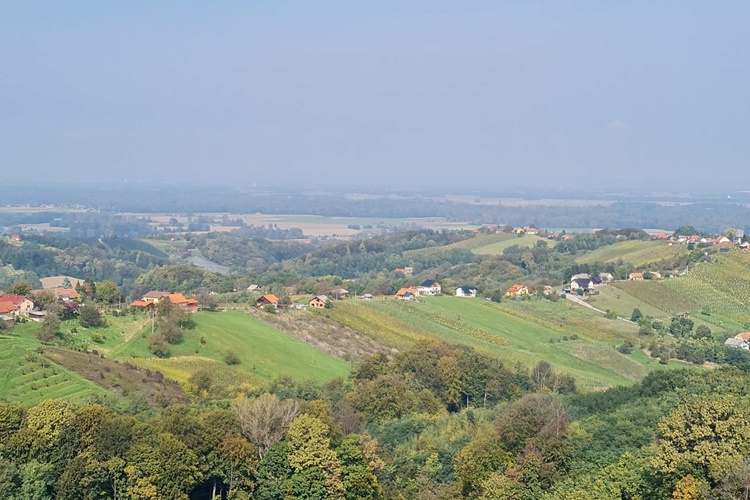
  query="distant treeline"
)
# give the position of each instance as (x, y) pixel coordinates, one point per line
(713, 216)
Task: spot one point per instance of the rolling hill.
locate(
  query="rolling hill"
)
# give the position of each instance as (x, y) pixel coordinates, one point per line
(570, 339)
(638, 253)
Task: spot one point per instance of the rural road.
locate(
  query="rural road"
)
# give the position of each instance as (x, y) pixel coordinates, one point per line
(576, 300)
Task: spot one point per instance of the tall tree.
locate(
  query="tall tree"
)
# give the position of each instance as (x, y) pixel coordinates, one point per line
(265, 420)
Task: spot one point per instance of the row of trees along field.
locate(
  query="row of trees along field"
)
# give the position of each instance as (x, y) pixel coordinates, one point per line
(434, 422)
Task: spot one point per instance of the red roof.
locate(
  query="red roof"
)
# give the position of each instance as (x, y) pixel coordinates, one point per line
(7, 307)
(16, 299)
(141, 303)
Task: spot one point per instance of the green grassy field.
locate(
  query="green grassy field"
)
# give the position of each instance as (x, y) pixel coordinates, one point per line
(485, 244)
(27, 377)
(638, 253)
(265, 352)
(526, 332)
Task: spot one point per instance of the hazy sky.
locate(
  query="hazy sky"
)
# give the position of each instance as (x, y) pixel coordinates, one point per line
(483, 93)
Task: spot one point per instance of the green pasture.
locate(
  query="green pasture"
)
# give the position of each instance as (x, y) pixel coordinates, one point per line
(638, 253)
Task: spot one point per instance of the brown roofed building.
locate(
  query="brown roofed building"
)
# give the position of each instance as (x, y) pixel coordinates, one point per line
(154, 296)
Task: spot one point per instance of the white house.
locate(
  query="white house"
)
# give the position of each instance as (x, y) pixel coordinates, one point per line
(429, 287)
(466, 291)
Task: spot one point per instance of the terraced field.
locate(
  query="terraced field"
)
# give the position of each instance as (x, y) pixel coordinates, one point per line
(264, 351)
(28, 377)
(638, 253)
(507, 332)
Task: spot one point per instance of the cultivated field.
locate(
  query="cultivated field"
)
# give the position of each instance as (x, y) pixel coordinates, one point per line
(638, 253)
(514, 333)
(28, 377)
(486, 244)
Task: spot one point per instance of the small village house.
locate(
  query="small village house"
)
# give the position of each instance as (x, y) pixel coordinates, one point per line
(429, 287)
(517, 290)
(585, 284)
(466, 291)
(406, 294)
(737, 343)
(23, 303)
(318, 302)
(268, 299)
(635, 277)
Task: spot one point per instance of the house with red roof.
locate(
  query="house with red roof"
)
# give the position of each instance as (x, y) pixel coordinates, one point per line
(178, 299)
(8, 308)
(23, 303)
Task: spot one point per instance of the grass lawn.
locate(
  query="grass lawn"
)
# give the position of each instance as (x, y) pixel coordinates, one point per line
(638, 253)
(497, 248)
(264, 351)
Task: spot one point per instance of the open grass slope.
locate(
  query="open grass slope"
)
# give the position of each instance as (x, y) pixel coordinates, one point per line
(264, 351)
(27, 377)
(638, 253)
(507, 332)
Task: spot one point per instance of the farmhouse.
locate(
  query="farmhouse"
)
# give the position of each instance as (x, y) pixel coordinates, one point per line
(23, 303)
(268, 300)
(8, 308)
(340, 293)
(743, 336)
(178, 299)
(606, 277)
(142, 305)
(517, 291)
(580, 276)
(366, 296)
(584, 284)
(154, 296)
(738, 343)
(466, 291)
(406, 294)
(429, 287)
(318, 302)
(635, 277)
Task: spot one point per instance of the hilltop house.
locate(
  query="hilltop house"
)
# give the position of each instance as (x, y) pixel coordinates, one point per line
(517, 290)
(318, 302)
(406, 293)
(466, 291)
(190, 305)
(429, 287)
(268, 300)
(635, 277)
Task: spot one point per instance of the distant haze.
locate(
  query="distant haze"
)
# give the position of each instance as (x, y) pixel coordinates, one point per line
(529, 94)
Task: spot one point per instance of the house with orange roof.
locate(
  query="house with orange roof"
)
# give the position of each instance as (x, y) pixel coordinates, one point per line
(142, 305)
(517, 290)
(190, 305)
(406, 293)
(635, 277)
(268, 300)
(743, 336)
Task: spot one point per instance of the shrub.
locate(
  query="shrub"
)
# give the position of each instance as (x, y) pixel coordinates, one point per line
(231, 358)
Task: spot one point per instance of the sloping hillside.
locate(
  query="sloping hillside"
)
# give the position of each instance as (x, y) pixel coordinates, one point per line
(636, 252)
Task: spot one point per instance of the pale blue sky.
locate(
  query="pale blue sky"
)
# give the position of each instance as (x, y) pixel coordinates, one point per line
(480, 93)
